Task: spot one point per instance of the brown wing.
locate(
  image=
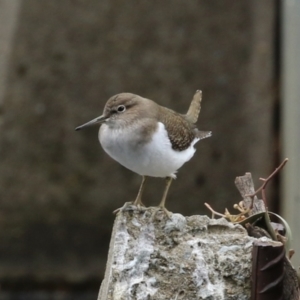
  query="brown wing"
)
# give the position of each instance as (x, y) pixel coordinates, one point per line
(181, 132)
(203, 134)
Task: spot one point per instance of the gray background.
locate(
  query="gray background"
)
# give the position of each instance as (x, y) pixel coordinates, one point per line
(61, 60)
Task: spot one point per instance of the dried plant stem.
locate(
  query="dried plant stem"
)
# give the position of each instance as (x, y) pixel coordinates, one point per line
(265, 182)
(213, 211)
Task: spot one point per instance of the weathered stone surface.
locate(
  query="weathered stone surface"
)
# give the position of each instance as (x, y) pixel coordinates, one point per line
(179, 258)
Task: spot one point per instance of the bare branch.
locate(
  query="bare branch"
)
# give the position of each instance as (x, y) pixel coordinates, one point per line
(265, 182)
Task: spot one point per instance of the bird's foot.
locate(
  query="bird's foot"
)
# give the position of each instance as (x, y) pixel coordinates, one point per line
(162, 211)
(130, 206)
(138, 202)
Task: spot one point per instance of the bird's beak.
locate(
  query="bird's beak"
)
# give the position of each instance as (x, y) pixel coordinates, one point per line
(95, 121)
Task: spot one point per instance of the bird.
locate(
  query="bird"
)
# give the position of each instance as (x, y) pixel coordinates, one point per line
(147, 138)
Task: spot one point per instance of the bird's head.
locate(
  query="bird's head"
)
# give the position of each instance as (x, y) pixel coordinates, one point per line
(119, 110)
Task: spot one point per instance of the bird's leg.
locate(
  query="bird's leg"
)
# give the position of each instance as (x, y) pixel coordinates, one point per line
(163, 200)
(138, 201)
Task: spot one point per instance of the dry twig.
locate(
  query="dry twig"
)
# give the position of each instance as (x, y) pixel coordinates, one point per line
(265, 182)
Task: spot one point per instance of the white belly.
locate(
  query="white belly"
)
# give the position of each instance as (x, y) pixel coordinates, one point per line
(156, 158)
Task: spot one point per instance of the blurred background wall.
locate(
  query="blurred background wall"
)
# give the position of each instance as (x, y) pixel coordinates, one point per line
(60, 61)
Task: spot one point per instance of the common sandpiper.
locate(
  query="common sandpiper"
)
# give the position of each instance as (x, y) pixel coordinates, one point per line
(148, 139)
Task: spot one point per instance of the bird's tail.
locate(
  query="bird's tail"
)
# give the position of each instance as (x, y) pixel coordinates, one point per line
(195, 107)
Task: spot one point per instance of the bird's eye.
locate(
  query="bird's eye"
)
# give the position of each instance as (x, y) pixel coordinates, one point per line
(121, 108)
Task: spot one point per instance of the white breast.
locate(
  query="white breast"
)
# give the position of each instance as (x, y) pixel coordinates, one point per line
(156, 158)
